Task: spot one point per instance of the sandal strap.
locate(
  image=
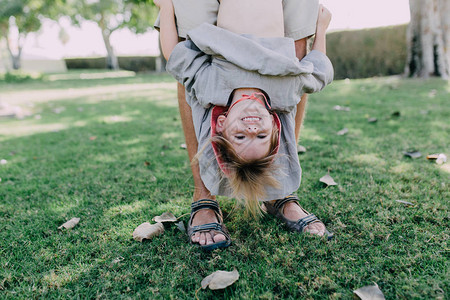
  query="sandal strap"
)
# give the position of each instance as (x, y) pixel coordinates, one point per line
(206, 227)
(281, 202)
(205, 204)
(305, 221)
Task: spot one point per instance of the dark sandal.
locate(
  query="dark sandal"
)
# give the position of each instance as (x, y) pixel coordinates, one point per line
(276, 210)
(218, 227)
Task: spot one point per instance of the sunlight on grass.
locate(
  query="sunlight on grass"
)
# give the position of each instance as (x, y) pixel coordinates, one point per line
(369, 159)
(126, 209)
(116, 119)
(309, 133)
(64, 275)
(99, 75)
(445, 167)
(130, 142)
(28, 128)
(169, 135)
(96, 93)
(402, 168)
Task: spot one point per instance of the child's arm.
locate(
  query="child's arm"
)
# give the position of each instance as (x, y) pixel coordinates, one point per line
(323, 20)
(168, 31)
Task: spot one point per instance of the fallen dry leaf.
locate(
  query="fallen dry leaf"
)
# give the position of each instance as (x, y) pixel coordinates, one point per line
(165, 217)
(341, 108)
(328, 180)
(342, 131)
(146, 231)
(220, 279)
(432, 156)
(412, 153)
(181, 227)
(405, 202)
(117, 260)
(147, 163)
(370, 292)
(70, 224)
(301, 149)
(442, 158)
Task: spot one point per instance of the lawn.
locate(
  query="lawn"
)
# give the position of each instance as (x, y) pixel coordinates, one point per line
(107, 150)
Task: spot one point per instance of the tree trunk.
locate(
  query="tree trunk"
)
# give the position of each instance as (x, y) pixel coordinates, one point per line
(161, 60)
(112, 62)
(428, 39)
(15, 58)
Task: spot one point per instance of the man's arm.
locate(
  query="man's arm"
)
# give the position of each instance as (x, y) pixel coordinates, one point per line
(323, 20)
(168, 31)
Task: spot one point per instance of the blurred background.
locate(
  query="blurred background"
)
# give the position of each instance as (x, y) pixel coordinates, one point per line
(366, 38)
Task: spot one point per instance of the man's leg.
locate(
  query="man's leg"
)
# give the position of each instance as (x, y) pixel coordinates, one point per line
(291, 210)
(300, 51)
(200, 190)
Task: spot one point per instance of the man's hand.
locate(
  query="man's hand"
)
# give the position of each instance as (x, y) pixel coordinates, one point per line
(323, 19)
(162, 3)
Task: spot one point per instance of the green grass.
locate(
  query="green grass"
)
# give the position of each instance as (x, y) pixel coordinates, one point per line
(89, 161)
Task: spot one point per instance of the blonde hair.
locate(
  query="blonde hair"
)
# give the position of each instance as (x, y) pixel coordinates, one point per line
(248, 178)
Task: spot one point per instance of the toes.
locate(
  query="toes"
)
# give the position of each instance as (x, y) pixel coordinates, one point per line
(196, 238)
(316, 228)
(209, 238)
(219, 238)
(202, 240)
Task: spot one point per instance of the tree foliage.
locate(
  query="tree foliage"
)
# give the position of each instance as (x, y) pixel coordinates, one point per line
(111, 15)
(24, 16)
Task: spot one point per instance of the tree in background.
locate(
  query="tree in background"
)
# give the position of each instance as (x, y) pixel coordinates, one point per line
(17, 19)
(429, 39)
(161, 64)
(111, 15)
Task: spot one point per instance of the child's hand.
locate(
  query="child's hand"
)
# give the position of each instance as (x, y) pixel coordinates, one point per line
(323, 19)
(162, 3)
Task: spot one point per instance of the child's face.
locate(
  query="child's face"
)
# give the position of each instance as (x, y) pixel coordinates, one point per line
(248, 127)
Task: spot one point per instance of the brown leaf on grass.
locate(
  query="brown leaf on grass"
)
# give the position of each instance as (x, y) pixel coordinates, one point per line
(146, 231)
(165, 217)
(328, 180)
(301, 149)
(342, 131)
(147, 163)
(432, 156)
(412, 153)
(370, 292)
(70, 224)
(220, 279)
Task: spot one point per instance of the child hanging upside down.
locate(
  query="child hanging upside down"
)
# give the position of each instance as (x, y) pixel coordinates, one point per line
(243, 88)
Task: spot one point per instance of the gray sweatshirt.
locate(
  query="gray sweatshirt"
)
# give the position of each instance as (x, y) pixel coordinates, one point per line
(213, 62)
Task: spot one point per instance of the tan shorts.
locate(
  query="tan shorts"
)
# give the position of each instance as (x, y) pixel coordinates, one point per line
(300, 16)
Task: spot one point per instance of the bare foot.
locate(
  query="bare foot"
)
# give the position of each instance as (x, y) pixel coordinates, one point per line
(293, 212)
(205, 216)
